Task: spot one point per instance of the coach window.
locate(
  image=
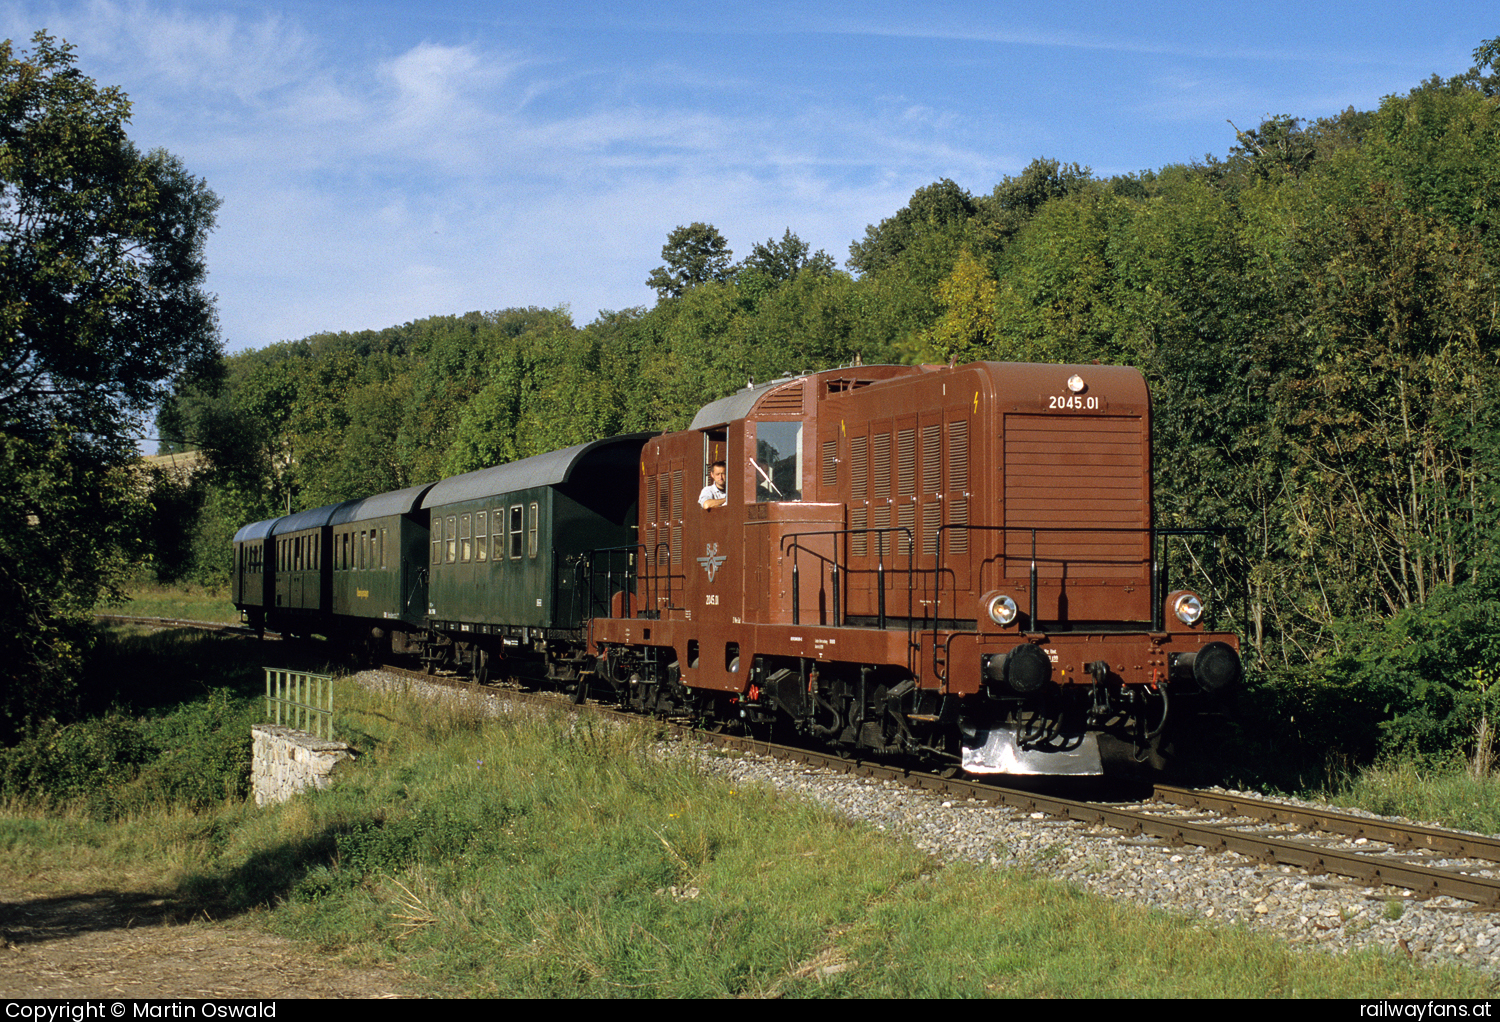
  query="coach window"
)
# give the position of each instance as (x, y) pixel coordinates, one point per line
(452, 538)
(516, 530)
(382, 547)
(778, 461)
(466, 538)
(535, 524)
(497, 535)
(437, 540)
(481, 538)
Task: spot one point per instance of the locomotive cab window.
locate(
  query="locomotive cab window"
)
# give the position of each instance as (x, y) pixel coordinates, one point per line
(777, 464)
(715, 450)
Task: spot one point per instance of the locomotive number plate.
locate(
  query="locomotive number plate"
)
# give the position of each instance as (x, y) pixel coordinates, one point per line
(1072, 403)
(711, 600)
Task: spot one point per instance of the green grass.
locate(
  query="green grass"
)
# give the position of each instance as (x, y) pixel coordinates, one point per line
(547, 856)
(186, 602)
(1448, 795)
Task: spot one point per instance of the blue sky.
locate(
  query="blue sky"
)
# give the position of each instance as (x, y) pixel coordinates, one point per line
(382, 161)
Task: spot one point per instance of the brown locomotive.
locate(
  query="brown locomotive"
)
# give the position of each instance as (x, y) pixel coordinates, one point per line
(957, 562)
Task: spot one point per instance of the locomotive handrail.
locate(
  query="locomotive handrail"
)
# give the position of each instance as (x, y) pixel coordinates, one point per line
(879, 572)
(653, 578)
(1157, 568)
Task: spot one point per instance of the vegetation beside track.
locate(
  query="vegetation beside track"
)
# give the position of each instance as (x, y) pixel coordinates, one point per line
(535, 855)
(186, 601)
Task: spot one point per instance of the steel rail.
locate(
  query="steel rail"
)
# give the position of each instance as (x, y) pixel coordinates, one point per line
(1372, 869)
(1219, 836)
(1399, 835)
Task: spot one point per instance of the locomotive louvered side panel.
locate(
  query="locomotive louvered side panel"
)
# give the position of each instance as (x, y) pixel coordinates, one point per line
(1082, 483)
(932, 458)
(906, 462)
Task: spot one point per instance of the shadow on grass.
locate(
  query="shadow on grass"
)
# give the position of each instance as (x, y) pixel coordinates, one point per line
(141, 670)
(40, 920)
(265, 879)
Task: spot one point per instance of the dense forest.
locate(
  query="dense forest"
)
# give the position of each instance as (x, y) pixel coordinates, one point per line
(1315, 311)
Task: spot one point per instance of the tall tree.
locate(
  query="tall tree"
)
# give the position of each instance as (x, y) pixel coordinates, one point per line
(101, 254)
(695, 254)
(102, 309)
(782, 260)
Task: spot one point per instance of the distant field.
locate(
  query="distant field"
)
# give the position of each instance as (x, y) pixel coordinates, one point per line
(191, 602)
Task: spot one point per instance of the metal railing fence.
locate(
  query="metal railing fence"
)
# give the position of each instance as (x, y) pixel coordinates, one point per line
(301, 700)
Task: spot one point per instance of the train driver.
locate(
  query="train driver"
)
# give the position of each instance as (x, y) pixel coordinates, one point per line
(715, 494)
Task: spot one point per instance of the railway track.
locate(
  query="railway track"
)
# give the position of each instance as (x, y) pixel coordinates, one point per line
(1421, 861)
(177, 622)
(1425, 861)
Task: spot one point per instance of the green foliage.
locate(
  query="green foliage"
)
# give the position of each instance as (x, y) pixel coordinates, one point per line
(114, 765)
(1402, 687)
(1015, 201)
(778, 261)
(695, 254)
(101, 308)
(941, 208)
(163, 719)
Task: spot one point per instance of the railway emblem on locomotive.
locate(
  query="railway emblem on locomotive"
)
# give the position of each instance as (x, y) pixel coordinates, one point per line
(713, 561)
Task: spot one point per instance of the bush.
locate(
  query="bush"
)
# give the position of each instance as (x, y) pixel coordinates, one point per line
(194, 756)
(1406, 687)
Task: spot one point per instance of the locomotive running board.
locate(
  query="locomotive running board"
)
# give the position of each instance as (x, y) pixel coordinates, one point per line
(998, 752)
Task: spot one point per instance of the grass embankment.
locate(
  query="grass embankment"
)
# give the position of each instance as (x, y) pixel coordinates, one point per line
(1447, 795)
(538, 856)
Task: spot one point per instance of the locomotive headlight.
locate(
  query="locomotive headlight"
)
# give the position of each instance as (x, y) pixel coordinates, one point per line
(1188, 608)
(1002, 610)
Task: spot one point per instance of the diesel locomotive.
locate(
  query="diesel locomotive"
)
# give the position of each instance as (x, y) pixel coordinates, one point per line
(954, 562)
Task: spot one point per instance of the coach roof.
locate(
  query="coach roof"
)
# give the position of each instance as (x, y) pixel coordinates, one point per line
(255, 530)
(398, 502)
(552, 469)
(314, 518)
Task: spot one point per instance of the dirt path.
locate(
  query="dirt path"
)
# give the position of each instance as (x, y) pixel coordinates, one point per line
(60, 940)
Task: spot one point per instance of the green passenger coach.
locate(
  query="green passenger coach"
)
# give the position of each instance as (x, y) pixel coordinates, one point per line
(301, 553)
(508, 544)
(378, 548)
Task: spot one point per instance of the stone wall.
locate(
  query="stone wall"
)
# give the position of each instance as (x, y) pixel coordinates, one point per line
(287, 761)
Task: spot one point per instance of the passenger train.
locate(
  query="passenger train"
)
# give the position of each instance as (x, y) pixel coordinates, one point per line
(957, 563)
